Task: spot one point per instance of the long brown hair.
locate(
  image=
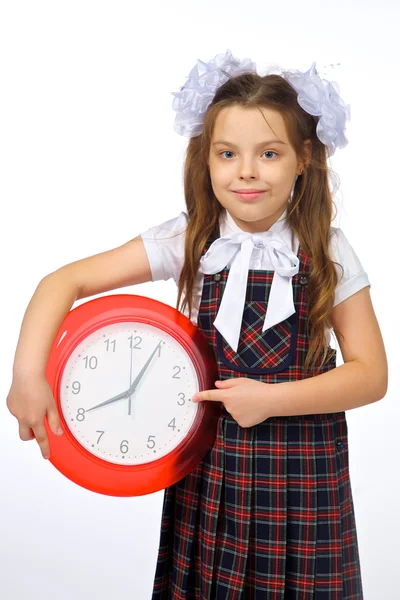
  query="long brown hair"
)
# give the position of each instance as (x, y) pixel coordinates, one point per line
(310, 213)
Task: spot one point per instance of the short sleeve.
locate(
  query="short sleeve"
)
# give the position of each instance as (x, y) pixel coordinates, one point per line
(164, 245)
(354, 277)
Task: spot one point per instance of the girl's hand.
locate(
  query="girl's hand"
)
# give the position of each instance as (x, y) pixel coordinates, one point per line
(30, 398)
(244, 398)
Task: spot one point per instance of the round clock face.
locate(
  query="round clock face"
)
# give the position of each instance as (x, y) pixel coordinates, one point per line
(115, 418)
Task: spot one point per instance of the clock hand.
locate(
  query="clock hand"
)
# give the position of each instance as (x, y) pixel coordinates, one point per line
(132, 387)
(114, 399)
(142, 371)
(130, 382)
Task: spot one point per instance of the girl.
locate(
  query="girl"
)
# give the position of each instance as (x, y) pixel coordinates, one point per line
(268, 513)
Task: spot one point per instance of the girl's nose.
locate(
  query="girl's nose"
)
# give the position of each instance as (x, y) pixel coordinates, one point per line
(248, 170)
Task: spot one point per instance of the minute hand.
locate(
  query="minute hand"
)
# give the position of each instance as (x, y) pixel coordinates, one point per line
(142, 371)
(133, 386)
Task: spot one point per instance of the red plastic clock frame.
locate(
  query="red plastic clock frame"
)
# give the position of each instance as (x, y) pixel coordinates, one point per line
(94, 473)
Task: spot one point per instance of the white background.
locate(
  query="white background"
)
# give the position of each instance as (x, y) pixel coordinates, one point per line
(89, 159)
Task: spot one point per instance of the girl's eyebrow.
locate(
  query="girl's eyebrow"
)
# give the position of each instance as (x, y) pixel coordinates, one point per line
(266, 143)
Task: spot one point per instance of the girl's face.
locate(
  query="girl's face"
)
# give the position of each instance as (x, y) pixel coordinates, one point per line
(244, 154)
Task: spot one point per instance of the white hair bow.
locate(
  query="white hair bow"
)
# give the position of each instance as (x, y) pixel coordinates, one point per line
(318, 97)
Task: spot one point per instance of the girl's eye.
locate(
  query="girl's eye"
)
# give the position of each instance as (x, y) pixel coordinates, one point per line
(270, 152)
(266, 152)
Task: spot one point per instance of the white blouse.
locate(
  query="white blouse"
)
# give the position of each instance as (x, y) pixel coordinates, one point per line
(164, 244)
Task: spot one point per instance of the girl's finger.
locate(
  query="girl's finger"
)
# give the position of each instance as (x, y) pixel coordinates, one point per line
(25, 433)
(54, 420)
(42, 439)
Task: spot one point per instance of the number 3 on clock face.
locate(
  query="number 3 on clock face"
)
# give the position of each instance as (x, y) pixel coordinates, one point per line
(147, 422)
(123, 370)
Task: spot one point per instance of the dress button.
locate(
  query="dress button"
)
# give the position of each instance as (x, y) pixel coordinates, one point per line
(303, 280)
(217, 276)
(340, 445)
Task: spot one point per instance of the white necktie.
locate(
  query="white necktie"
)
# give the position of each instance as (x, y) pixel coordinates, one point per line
(239, 247)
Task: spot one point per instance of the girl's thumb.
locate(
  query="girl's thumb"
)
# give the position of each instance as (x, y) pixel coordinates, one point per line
(54, 420)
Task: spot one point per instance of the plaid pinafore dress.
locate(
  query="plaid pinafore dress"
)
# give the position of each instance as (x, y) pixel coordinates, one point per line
(268, 513)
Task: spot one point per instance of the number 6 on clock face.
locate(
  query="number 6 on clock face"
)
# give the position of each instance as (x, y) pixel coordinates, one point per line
(123, 370)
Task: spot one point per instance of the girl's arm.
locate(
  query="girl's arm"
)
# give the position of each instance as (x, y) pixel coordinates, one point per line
(30, 397)
(362, 379)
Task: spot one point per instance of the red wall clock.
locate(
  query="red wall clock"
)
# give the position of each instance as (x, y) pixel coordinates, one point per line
(123, 369)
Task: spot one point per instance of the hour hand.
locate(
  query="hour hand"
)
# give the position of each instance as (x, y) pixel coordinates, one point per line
(114, 399)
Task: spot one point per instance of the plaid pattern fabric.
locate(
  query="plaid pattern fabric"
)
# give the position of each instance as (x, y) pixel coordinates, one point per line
(268, 513)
